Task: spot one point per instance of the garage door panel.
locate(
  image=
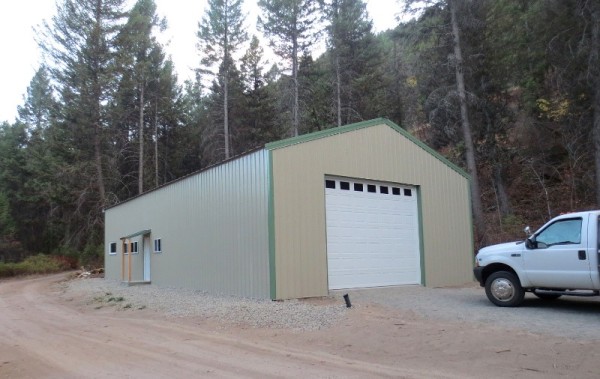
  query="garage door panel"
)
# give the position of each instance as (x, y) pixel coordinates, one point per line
(363, 247)
(381, 263)
(372, 238)
(375, 278)
(372, 235)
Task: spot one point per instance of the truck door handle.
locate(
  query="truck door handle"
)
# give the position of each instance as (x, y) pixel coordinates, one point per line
(581, 255)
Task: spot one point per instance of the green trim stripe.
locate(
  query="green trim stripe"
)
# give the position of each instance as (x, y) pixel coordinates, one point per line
(470, 215)
(361, 125)
(272, 270)
(421, 236)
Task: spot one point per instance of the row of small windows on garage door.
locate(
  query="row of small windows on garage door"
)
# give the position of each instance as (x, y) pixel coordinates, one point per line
(367, 187)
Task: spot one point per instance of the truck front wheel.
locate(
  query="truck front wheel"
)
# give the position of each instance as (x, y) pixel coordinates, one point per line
(504, 289)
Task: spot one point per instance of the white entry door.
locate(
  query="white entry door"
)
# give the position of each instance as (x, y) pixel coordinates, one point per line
(372, 234)
(146, 243)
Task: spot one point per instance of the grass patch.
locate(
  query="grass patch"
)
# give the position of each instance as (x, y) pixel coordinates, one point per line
(113, 301)
(35, 264)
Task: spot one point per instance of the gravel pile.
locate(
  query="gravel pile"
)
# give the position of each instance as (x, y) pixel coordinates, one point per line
(290, 314)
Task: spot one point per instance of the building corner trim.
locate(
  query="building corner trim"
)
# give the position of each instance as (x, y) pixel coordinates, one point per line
(272, 267)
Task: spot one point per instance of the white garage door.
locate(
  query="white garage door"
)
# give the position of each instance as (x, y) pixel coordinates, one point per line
(372, 234)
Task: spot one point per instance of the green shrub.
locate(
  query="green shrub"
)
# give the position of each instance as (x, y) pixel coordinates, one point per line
(36, 264)
(92, 255)
(40, 264)
(69, 254)
(7, 270)
(66, 262)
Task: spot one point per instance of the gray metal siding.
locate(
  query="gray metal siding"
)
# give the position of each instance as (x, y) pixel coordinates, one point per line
(213, 227)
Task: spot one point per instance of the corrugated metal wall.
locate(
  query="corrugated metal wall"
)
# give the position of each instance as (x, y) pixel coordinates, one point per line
(213, 226)
(375, 153)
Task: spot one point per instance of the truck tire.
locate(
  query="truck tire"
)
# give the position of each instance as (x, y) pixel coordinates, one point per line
(504, 289)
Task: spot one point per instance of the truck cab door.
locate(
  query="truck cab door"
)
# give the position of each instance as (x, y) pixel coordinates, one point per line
(558, 256)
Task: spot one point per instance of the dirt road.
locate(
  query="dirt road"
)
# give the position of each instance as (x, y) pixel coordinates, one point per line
(42, 335)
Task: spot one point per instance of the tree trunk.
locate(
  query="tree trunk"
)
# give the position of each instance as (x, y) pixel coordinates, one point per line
(503, 201)
(594, 72)
(466, 130)
(338, 91)
(98, 163)
(295, 120)
(226, 112)
(141, 136)
(226, 60)
(97, 114)
(156, 181)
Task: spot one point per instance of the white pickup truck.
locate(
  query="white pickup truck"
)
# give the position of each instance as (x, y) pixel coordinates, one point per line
(561, 258)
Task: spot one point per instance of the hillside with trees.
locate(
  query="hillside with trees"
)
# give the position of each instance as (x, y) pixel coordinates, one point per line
(509, 90)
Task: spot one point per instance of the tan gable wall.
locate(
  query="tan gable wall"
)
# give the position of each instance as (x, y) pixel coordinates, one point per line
(377, 153)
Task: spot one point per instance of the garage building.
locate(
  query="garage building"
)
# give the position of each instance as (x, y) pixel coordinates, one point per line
(363, 205)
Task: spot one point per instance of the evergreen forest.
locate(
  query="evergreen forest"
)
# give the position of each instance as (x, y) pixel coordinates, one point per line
(509, 90)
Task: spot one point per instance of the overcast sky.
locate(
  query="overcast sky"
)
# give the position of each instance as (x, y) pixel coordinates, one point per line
(21, 56)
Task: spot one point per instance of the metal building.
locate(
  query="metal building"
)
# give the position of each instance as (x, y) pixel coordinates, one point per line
(363, 205)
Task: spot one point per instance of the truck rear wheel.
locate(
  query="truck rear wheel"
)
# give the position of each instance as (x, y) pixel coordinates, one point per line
(504, 289)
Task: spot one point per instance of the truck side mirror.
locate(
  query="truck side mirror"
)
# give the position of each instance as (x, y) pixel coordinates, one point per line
(527, 231)
(531, 243)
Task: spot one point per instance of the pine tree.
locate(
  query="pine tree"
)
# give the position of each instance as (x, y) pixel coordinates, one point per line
(191, 137)
(220, 34)
(40, 194)
(316, 91)
(289, 25)
(353, 52)
(592, 9)
(260, 118)
(80, 46)
(141, 60)
(40, 105)
(447, 12)
(167, 104)
(12, 160)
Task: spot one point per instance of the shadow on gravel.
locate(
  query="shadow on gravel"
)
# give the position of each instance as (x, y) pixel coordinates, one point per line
(562, 317)
(566, 304)
(579, 305)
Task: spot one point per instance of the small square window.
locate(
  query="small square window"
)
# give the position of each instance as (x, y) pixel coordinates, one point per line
(328, 184)
(157, 246)
(345, 186)
(113, 248)
(134, 247)
(407, 192)
(395, 191)
(125, 248)
(383, 189)
(358, 187)
(371, 188)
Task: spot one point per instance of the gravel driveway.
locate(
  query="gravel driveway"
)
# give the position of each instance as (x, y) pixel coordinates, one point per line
(572, 317)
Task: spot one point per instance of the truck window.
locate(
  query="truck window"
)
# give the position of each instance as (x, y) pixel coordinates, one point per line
(562, 232)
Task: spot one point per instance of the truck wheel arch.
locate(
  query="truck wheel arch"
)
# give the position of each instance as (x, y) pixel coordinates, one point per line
(495, 267)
